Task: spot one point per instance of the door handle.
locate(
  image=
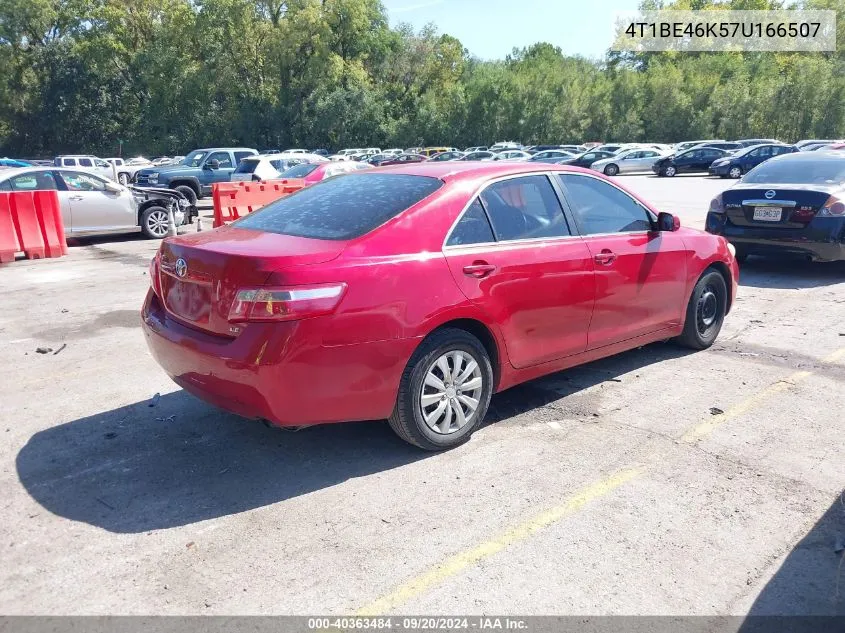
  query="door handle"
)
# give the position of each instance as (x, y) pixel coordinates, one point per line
(479, 269)
(605, 257)
(76, 198)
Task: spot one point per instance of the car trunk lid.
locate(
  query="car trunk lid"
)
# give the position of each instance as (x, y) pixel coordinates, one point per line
(200, 274)
(789, 208)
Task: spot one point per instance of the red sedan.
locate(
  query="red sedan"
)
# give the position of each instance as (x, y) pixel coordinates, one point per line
(416, 292)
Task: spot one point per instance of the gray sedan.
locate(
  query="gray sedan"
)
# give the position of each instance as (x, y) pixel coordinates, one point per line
(92, 205)
(629, 161)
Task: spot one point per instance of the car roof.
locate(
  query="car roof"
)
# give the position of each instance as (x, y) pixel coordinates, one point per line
(821, 155)
(469, 171)
(224, 149)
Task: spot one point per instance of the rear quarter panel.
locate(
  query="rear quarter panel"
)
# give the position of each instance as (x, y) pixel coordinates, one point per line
(399, 285)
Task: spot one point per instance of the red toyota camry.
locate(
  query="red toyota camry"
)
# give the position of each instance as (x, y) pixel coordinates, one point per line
(415, 292)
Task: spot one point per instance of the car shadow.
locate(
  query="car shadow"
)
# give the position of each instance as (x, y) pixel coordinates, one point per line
(810, 581)
(139, 467)
(790, 273)
(557, 387)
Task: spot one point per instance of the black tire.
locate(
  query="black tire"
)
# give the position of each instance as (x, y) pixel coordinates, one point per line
(123, 178)
(709, 300)
(735, 172)
(188, 192)
(670, 171)
(407, 417)
(611, 169)
(151, 222)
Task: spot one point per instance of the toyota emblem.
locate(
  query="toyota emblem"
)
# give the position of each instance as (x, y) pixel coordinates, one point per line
(181, 267)
(769, 194)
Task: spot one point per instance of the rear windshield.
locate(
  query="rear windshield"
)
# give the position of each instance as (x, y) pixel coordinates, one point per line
(246, 167)
(342, 208)
(794, 172)
(300, 171)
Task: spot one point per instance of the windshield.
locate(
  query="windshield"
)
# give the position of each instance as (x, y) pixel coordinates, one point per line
(795, 172)
(342, 208)
(193, 159)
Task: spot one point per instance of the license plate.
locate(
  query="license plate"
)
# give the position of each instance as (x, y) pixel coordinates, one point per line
(768, 214)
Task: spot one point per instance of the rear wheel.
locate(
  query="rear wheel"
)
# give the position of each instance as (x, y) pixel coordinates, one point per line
(188, 192)
(705, 311)
(444, 391)
(735, 172)
(611, 170)
(154, 222)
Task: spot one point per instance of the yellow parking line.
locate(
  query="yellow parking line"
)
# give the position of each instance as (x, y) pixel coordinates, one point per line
(458, 562)
(706, 428)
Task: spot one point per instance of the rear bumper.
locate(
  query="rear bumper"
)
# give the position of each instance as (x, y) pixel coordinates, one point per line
(280, 372)
(822, 239)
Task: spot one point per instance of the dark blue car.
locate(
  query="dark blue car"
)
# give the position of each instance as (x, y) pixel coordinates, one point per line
(793, 204)
(743, 161)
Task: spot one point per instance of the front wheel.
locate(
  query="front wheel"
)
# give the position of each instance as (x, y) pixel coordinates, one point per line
(611, 170)
(735, 172)
(188, 192)
(705, 311)
(154, 222)
(444, 391)
(123, 179)
(670, 171)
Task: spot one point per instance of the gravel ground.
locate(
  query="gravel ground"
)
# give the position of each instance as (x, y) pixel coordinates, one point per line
(606, 489)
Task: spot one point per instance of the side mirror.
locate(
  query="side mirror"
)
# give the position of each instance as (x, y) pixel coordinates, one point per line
(212, 164)
(113, 187)
(668, 222)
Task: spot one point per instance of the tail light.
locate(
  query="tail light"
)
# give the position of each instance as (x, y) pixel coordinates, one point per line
(833, 207)
(285, 304)
(716, 205)
(154, 275)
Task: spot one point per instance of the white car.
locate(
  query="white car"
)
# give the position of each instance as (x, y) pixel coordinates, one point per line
(126, 169)
(295, 151)
(393, 152)
(93, 205)
(629, 161)
(87, 163)
(270, 166)
(512, 154)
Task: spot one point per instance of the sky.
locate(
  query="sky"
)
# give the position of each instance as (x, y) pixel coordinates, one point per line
(490, 29)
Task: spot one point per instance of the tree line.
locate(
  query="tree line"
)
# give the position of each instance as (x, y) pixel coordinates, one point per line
(165, 76)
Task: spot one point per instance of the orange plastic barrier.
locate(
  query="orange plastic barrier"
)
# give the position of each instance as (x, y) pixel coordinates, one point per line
(31, 221)
(233, 200)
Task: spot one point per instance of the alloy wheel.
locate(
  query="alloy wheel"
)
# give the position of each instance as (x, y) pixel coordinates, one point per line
(157, 223)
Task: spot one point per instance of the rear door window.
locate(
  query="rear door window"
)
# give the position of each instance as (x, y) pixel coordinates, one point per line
(86, 162)
(223, 158)
(524, 208)
(342, 208)
(38, 180)
(472, 228)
